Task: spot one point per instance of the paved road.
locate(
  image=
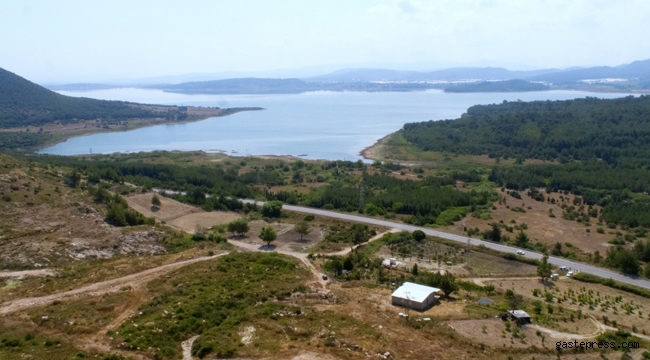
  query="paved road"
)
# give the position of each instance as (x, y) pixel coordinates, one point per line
(605, 273)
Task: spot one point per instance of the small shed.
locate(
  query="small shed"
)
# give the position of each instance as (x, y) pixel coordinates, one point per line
(415, 296)
(520, 316)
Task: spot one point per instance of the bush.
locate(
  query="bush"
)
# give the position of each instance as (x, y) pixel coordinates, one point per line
(272, 209)
(581, 276)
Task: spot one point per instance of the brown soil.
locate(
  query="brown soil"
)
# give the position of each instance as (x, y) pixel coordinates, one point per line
(114, 285)
(169, 209)
(191, 222)
(525, 287)
(541, 227)
(48, 224)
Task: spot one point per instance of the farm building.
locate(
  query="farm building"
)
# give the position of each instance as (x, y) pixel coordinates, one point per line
(520, 316)
(415, 296)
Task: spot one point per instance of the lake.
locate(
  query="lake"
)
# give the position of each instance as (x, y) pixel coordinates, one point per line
(315, 125)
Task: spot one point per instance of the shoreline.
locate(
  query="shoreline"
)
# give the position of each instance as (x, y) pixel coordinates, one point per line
(60, 136)
(371, 152)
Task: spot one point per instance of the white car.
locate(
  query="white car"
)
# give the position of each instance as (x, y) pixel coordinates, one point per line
(569, 273)
(520, 252)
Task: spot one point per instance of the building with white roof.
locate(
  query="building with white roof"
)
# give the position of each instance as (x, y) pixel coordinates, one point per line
(415, 296)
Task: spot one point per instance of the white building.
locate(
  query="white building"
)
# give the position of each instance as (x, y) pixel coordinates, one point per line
(415, 296)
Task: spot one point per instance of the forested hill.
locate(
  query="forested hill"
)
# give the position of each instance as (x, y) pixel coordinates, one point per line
(497, 86)
(613, 130)
(23, 103)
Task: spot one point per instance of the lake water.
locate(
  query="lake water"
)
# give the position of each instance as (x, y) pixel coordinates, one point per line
(316, 125)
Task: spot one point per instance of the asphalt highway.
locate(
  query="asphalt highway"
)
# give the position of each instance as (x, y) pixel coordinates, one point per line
(574, 265)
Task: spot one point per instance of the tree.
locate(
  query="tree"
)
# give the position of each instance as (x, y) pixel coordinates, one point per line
(347, 264)
(514, 300)
(448, 284)
(360, 234)
(272, 209)
(414, 271)
(544, 268)
(302, 228)
(489, 289)
(495, 234)
(419, 235)
(238, 227)
(73, 179)
(155, 202)
(522, 240)
(268, 235)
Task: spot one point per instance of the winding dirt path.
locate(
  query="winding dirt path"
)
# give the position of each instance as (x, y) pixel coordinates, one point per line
(187, 348)
(318, 276)
(27, 273)
(134, 280)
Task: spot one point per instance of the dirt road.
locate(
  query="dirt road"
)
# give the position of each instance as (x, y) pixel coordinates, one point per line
(26, 273)
(318, 276)
(134, 280)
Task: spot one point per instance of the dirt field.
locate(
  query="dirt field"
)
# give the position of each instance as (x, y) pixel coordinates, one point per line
(169, 209)
(541, 227)
(638, 318)
(189, 222)
(480, 264)
(288, 240)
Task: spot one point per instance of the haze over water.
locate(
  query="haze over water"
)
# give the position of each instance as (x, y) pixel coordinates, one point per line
(316, 125)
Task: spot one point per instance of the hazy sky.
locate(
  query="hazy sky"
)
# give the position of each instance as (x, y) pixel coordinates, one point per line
(68, 41)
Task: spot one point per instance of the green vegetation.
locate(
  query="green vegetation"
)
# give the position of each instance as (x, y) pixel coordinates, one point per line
(268, 235)
(238, 227)
(23, 103)
(613, 130)
(205, 299)
(118, 212)
(497, 86)
(581, 276)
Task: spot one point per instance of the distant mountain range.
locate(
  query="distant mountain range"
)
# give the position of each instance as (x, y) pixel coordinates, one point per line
(628, 77)
(452, 74)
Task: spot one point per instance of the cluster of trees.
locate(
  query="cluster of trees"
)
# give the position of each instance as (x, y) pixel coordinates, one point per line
(516, 85)
(629, 260)
(609, 129)
(118, 212)
(596, 183)
(23, 103)
(424, 200)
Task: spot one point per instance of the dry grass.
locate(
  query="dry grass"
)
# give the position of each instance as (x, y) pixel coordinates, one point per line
(634, 320)
(206, 220)
(541, 227)
(170, 209)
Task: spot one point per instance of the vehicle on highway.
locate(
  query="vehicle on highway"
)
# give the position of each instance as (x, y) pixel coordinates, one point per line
(563, 268)
(521, 252)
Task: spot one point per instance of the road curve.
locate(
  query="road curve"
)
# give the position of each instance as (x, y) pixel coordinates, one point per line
(590, 269)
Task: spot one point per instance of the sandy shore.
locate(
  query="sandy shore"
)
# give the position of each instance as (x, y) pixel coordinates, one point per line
(372, 152)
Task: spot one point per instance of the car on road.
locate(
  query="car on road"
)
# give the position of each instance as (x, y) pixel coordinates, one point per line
(520, 252)
(564, 268)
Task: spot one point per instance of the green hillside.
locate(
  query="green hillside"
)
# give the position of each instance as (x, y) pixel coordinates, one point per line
(580, 129)
(497, 86)
(23, 103)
